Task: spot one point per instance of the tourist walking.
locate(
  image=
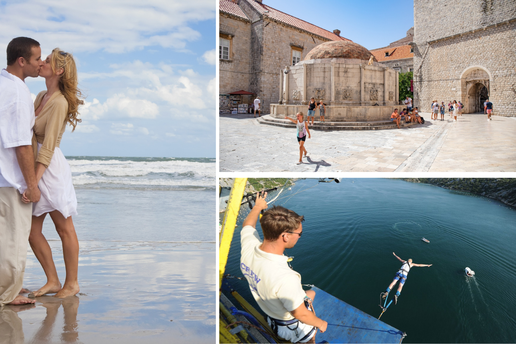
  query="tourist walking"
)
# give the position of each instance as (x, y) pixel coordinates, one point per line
(257, 105)
(322, 111)
(442, 108)
(455, 110)
(489, 109)
(435, 110)
(302, 130)
(450, 109)
(311, 110)
(460, 108)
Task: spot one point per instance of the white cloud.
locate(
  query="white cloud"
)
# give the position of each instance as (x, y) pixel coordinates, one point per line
(212, 86)
(121, 129)
(93, 110)
(85, 128)
(115, 26)
(151, 90)
(134, 108)
(120, 106)
(210, 57)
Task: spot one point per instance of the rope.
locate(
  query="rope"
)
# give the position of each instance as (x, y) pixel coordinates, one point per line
(403, 334)
(302, 190)
(279, 193)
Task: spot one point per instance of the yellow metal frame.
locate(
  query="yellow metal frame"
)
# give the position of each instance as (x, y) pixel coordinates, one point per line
(229, 223)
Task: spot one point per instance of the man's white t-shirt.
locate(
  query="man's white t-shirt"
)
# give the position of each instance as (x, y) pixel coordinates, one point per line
(16, 121)
(275, 286)
(257, 103)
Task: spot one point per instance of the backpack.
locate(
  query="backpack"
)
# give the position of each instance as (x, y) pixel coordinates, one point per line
(422, 120)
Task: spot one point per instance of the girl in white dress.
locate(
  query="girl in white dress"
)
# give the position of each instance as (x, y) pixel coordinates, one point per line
(55, 107)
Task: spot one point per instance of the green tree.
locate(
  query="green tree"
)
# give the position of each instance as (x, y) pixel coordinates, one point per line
(404, 79)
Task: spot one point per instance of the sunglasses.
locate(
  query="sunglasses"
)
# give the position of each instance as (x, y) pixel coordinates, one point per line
(300, 233)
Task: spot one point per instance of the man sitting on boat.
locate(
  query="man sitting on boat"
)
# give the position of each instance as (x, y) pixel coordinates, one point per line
(401, 276)
(275, 286)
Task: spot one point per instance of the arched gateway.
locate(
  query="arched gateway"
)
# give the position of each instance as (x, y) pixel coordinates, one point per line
(475, 83)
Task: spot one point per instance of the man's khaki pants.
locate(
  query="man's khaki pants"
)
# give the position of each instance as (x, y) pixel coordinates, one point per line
(15, 222)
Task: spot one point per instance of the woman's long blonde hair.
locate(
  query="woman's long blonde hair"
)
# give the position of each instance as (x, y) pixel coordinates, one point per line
(68, 83)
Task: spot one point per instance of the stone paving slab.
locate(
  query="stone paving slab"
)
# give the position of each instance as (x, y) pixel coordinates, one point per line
(472, 144)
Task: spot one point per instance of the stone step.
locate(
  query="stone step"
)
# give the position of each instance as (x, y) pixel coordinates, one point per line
(333, 126)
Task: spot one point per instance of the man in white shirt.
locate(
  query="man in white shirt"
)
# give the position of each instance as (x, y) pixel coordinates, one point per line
(16, 165)
(257, 106)
(408, 103)
(275, 286)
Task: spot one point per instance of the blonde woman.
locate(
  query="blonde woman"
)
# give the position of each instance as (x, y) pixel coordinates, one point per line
(55, 107)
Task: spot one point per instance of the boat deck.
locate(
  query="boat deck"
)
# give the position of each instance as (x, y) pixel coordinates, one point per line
(347, 324)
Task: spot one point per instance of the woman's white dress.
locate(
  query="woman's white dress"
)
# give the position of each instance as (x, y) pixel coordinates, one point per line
(57, 191)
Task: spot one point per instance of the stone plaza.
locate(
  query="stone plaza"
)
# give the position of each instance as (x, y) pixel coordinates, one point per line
(472, 144)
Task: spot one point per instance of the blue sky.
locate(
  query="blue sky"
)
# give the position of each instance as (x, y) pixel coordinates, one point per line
(370, 23)
(146, 68)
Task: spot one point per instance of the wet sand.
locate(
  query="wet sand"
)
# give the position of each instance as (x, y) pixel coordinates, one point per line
(131, 292)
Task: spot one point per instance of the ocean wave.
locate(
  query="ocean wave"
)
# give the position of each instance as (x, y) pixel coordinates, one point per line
(143, 172)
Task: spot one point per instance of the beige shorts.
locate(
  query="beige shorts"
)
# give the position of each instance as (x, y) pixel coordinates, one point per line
(15, 222)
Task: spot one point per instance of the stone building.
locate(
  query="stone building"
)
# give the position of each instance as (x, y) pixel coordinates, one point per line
(257, 42)
(465, 50)
(398, 55)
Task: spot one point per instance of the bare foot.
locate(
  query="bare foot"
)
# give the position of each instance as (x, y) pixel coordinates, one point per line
(46, 289)
(67, 291)
(21, 300)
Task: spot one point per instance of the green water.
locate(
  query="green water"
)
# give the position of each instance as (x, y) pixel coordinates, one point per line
(352, 228)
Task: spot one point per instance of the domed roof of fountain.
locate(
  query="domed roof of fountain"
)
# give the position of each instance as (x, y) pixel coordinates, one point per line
(340, 50)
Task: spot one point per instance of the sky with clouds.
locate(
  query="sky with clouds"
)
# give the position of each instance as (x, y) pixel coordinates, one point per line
(146, 69)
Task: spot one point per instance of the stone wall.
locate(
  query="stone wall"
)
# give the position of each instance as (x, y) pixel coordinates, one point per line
(235, 73)
(278, 40)
(435, 19)
(455, 49)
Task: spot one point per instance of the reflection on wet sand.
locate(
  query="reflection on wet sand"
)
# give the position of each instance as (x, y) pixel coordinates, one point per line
(11, 327)
(130, 293)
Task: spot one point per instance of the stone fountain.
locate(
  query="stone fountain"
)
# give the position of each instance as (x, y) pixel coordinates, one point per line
(346, 77)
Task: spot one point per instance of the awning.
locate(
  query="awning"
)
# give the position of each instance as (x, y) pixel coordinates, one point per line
(242, 93)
